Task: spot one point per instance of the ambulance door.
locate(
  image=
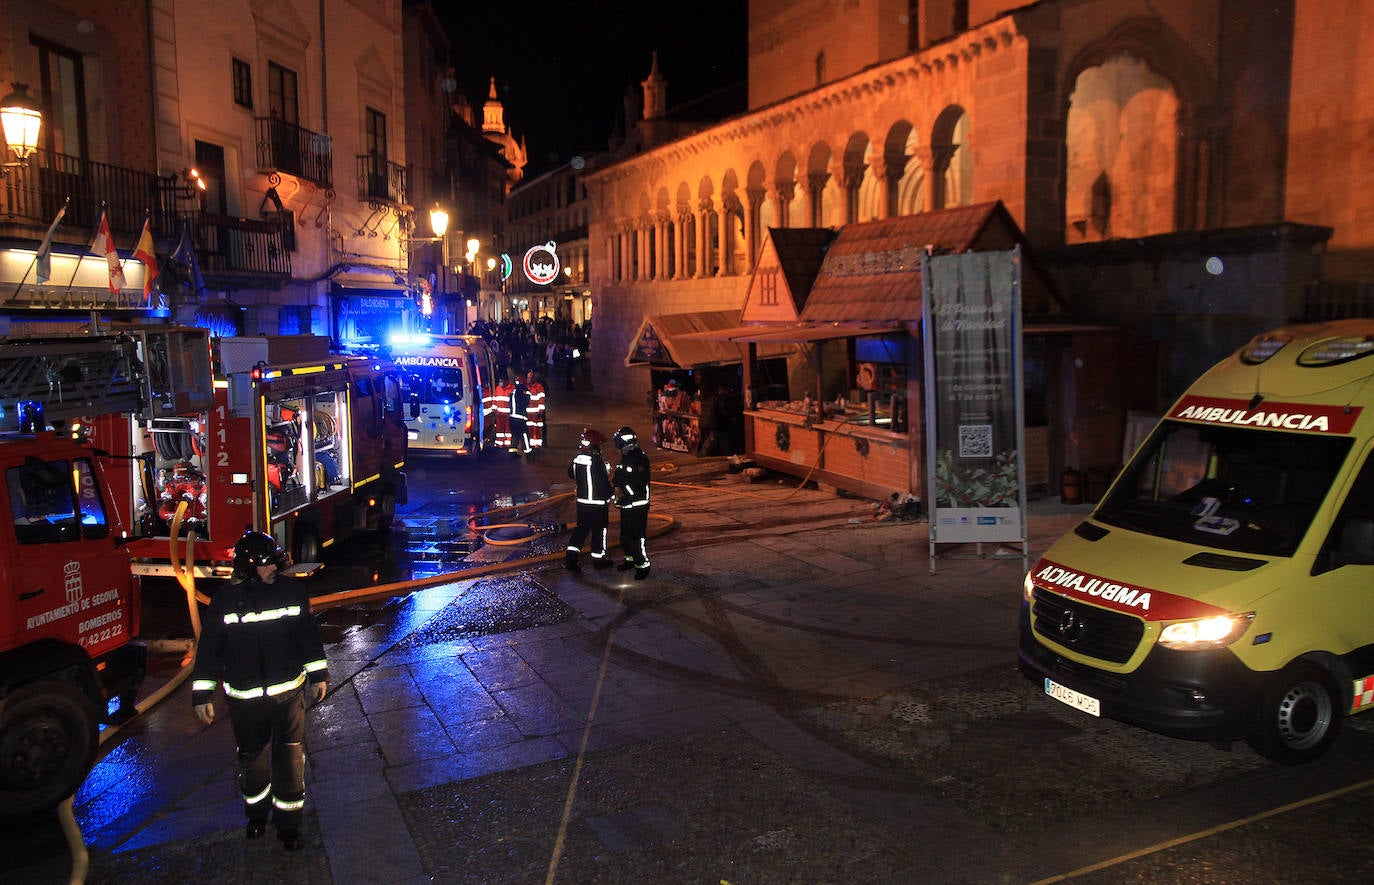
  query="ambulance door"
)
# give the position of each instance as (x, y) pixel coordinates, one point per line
(1344, 576)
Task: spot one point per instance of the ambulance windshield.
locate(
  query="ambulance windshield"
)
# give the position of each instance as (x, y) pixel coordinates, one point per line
(1236, 489)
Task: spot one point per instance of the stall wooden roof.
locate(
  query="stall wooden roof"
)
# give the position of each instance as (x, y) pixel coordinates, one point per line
(668, 340)
(872, 270)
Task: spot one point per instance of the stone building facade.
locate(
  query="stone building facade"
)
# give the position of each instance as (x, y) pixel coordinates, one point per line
(1092, 121)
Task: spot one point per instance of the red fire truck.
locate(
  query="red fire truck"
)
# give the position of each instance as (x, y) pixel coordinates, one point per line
(71, 608)
(306, 446)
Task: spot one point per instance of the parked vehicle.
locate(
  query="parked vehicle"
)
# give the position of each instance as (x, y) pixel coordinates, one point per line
(1220, 590)
(304, 445)
(448, 383)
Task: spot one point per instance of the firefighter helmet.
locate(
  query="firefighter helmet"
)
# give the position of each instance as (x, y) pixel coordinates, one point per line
(625, 436)
(255, 549)
(592, 439)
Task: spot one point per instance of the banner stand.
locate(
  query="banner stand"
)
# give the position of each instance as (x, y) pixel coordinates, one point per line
(975, 406)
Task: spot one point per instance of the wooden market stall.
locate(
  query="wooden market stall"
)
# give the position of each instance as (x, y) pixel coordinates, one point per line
(851, 413)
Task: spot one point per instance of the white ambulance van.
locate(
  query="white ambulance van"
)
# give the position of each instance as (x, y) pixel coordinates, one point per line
(1224, 586)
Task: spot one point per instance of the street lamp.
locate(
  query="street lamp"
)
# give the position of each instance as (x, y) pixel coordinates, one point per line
(21, 118)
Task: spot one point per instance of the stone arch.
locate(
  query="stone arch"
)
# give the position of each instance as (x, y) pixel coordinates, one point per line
(856, 178)
(730, 238)
(1121, 146)
(951, 164)
(902, 150)
(756, 190)
(708, 227)
(1183, 74)
(786, 191)
(817, 185)
(686, 216)
(665, 232)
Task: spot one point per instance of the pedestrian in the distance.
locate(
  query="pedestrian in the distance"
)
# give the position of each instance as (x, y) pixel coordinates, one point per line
(631, 481)
(260, 642)
(592, 475)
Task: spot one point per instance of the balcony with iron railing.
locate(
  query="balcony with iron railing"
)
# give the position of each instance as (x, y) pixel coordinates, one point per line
(243, 251)
(31, 196)
(380, 180)
(290, 149)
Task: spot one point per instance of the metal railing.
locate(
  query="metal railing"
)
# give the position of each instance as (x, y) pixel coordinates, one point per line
(228, 246)
(381, 179)
(34, 193)
(286, 147)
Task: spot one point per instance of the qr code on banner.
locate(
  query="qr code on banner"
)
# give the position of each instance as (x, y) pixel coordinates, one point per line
(975, 440)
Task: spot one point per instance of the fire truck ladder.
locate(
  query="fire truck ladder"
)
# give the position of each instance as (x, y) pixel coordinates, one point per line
(70, 377)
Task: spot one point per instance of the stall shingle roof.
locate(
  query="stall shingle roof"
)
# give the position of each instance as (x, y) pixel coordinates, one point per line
(872, 270)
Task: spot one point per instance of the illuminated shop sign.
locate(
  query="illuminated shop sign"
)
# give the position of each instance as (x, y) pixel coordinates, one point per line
(541, 263)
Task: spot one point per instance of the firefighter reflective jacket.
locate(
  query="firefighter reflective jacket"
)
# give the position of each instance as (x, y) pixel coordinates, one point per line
(632, 478)
(593, 478)
(258, 640)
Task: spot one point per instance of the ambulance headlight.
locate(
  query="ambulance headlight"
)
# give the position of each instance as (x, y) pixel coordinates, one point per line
(1028, 589)
(1216, 632)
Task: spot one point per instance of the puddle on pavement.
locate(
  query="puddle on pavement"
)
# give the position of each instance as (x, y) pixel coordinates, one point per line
(490, 606)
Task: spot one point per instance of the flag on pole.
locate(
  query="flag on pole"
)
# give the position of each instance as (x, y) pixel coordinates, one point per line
(184, 254)
(103, 245)
(44, 258)
(144, 252)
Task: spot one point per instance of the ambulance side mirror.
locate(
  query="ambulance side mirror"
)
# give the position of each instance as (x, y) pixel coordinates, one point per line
(1357, 541)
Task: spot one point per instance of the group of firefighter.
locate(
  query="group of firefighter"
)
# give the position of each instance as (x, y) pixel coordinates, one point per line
(517, 409)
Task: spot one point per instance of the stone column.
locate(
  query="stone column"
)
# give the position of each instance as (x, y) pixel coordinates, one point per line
(851, 179)
(783, 194)
(685, 223)
(753, 231)
(815, 189)
(703, 239)
(725, 225)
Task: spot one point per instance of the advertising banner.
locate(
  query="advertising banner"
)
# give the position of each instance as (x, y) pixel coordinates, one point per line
(975, 463)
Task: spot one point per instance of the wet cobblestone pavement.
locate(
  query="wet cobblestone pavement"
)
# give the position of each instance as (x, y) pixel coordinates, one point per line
(792, 696)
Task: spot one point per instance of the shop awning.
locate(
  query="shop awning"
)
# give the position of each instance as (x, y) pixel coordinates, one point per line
(682, 340)
(794, 333)
(368, 284)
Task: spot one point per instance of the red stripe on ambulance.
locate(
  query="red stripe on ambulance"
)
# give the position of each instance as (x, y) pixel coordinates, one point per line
(1146, 602)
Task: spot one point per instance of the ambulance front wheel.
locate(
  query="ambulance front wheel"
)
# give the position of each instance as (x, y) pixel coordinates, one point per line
(1298, 716)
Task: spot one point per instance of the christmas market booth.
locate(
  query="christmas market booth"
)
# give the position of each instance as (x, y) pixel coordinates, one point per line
(695, 398)
(848, 412)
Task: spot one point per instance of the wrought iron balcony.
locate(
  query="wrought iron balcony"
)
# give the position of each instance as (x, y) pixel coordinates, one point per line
(31, 195)
(380, 180)
(243, 251)
(287, 148)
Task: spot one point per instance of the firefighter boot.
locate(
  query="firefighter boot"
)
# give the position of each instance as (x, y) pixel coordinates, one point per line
(642, 572)
(625, 566)
(570, 561)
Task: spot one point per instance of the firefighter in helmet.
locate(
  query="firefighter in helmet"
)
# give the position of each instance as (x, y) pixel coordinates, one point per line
(538, 408)
(261, 644)
(520, 418)
(593, 477)
(631, 481)
(501, 407)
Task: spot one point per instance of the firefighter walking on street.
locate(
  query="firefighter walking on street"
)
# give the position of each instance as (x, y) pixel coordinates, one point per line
(631, 481)
(594, 492)
(519, 418)
(500, 401)
(260, 642)
(538, 408)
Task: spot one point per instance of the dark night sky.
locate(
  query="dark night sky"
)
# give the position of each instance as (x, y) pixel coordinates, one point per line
(562, 68)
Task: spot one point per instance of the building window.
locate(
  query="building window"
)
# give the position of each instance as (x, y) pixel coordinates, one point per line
(63, 85)
(820, 69)
(376, 133)
(282, 97)
(210, 163)
(243, 84)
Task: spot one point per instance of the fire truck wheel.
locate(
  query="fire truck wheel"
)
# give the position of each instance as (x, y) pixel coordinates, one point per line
(307, 545)
(48, 739)
(1298, 716)
(386, 512)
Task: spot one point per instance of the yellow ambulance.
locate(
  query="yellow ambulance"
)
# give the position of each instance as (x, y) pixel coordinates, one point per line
(1224, 586)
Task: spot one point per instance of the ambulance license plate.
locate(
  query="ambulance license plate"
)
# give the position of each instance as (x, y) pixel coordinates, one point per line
(412, 434)
(1075, 699)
